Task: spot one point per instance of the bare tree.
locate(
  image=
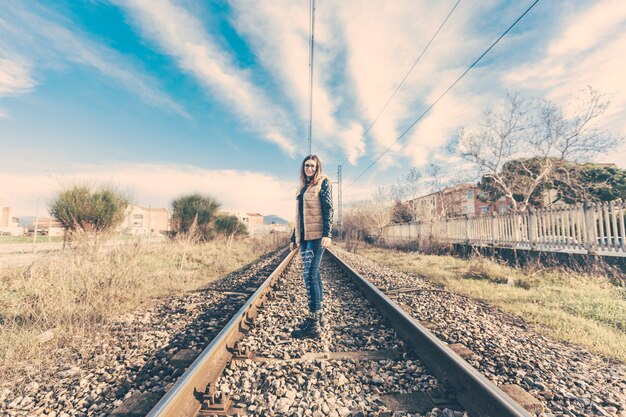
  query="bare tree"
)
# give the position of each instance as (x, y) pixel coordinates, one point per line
(408, 186)
(367, 218)
(406, 189)
(539, 136)
(446, 199)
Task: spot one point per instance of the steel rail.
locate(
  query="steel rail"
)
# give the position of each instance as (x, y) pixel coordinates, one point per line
(476, 393)
(184, 398)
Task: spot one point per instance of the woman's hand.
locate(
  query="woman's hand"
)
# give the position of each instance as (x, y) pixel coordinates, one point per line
(292, 246)
(326, 242)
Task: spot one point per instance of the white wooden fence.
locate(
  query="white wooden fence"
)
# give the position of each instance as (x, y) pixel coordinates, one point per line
(583, 228)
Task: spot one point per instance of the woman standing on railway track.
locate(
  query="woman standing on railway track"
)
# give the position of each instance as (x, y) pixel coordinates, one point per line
(312, 231)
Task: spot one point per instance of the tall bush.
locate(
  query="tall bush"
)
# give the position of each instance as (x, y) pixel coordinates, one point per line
(80, 208)
(193, 214)
(230, 226)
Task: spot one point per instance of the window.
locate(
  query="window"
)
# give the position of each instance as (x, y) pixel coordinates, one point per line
(484, 209)
(470, 194)
(138, 216)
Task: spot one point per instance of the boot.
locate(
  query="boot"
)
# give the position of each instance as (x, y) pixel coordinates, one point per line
(320, 318)
(312, 317)
(305, 323)
(312, 331)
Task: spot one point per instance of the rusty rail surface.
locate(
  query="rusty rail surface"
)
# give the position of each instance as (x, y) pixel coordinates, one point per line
(473, 391)
(185, 397)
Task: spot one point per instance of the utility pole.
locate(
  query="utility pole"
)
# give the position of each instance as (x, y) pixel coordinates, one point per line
(311, 53)
(340, 203)
(149, 223)
(36, 227)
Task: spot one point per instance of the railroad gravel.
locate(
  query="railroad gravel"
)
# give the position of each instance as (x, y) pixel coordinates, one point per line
(353, 321)
(290, 386)
(321, 387)
(137, 356)
(566, 379)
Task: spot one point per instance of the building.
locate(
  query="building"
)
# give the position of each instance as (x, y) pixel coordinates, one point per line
(8, 223)
(46, 226)
(255, 224)
(253, 221)
(145, 221)
(457, 201)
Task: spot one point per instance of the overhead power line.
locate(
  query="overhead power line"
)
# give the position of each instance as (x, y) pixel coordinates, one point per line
(445, 92)
(410, 70)
(408, 73)
(311, 50)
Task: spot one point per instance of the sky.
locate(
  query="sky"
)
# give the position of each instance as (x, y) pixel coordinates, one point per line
(161, 98)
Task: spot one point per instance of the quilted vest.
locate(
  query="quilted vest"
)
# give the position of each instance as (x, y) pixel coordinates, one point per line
(312, 213)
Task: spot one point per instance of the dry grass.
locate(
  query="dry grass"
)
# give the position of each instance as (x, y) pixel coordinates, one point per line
(72, 291)
(584, 309)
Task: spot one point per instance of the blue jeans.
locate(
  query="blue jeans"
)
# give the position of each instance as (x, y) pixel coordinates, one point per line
(311, 252)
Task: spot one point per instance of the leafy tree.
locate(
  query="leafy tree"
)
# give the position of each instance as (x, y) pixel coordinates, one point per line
(230, 226)
(521, 175)
(590, 182)
(84, 209)
(572, 182)
(194, 214)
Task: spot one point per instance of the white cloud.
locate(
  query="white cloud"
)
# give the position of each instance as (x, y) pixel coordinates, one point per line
(440, 125)
(362, 52)
(589, 27)
(157, 186)
(15, 77)
(50, 41)
(382, 43)
(587, 51)
(279, 34)
(181, 34)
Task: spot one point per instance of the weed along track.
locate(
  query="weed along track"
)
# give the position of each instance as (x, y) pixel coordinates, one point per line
(372, 359)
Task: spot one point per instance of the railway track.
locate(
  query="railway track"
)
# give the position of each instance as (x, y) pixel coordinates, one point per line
(373, 359)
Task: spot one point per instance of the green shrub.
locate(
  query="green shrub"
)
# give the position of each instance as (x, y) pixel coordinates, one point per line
(230, 226)
(193, 215)
(81, 209)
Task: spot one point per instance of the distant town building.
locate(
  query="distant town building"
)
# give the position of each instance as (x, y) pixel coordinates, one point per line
(46, 226)
(253, 222)
(457, 201)
(8, 223)
(256, 224)
(276, 224)
(145, 221)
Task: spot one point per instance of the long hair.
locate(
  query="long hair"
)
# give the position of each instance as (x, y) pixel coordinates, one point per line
(318, 172)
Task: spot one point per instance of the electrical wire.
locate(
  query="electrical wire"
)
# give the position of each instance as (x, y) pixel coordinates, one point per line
(445, 92)
(417, 60)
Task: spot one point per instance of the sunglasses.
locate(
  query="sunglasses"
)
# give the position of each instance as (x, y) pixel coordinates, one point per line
(310, 166)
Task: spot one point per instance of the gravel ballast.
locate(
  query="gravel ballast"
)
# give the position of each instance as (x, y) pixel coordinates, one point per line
(566, 379)
(284, 380)
(135, 358)
(140, 355)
